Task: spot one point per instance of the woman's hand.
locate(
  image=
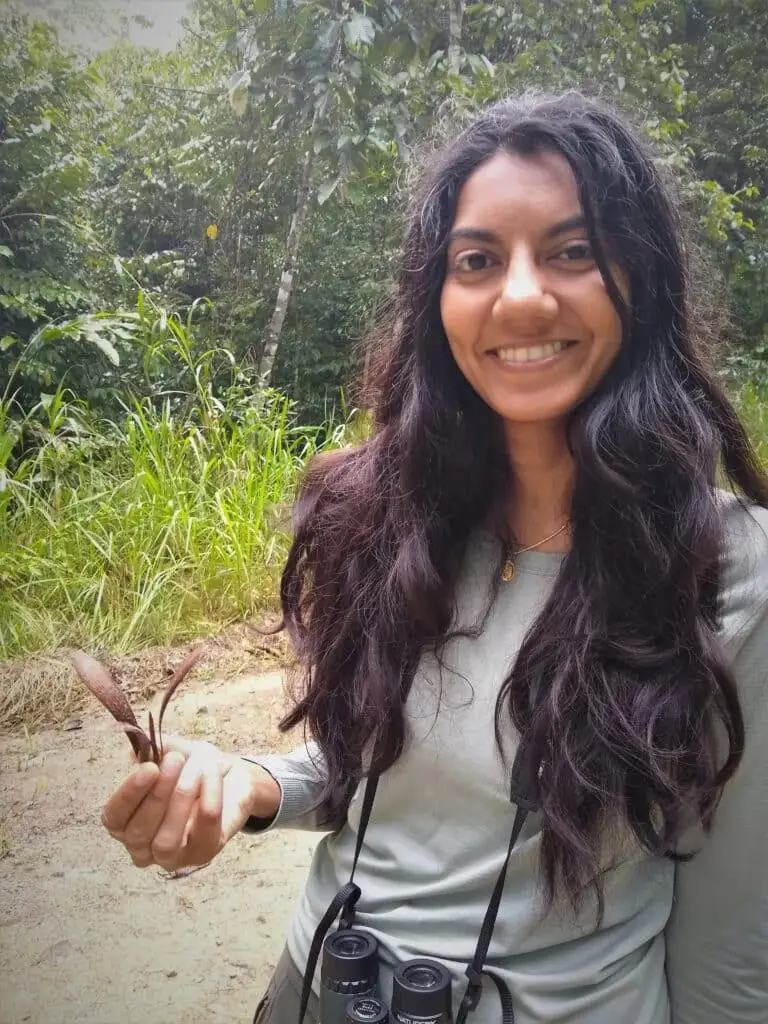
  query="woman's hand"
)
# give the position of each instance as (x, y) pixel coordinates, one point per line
(182, 813)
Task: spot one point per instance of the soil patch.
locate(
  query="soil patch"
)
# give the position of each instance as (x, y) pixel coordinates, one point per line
(86, 938)
(43, 689)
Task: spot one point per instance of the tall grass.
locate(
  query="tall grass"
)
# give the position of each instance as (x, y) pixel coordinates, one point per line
(159, 527)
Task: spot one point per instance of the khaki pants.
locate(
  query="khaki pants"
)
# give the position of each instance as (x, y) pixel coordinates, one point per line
(281, 1002)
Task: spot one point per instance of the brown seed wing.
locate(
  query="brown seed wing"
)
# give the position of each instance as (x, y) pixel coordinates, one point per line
(104, 688)
(178, 677)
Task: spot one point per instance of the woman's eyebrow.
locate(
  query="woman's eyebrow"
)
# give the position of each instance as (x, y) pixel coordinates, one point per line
(574, 223)
(474, 235)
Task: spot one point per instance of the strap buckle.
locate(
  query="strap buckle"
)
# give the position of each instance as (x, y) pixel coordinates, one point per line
(348, 910)
(473, 993)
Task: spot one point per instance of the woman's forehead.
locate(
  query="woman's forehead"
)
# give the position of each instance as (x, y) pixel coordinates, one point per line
(510, 189)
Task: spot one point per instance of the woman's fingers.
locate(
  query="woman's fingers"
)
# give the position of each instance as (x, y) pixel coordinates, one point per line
(191, 748)
(140, 831)
(171, 815)
(211, 797)
(191, 830)
(168, 841)
(127, 799)
(203, 836)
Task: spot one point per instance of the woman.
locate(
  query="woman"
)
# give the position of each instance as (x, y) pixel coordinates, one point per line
(529, 557)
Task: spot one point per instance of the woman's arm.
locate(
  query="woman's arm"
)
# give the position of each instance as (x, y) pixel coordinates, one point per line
(301, 777)
(717, 937)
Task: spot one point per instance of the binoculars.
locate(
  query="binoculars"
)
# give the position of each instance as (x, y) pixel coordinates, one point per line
(349, 985)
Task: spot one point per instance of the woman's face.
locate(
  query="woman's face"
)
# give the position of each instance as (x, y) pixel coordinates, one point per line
(524, 306)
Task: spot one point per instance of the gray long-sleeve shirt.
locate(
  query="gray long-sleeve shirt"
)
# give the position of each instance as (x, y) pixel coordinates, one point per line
(679, 944)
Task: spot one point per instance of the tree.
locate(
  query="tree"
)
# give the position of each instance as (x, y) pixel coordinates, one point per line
(49, 243)
(333, 83)
(723, 48)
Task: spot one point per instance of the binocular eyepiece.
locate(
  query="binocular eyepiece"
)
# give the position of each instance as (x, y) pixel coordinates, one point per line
(349, 992)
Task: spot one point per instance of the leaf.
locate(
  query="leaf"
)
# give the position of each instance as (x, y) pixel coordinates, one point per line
(320, 142)
(212, 231)
(5, 251)
(7, 341)
(239, 79)
(326, 190)
(238, 100)
(107, 348)
(239, 84)
(101, 343)
(359, 30)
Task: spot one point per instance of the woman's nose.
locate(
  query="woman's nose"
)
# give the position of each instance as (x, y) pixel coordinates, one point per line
(523, 296)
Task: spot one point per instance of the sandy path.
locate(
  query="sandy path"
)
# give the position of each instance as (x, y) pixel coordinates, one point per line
(86, 938)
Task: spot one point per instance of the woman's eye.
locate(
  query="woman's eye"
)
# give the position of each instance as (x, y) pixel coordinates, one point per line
(472, 261)
(574, 253)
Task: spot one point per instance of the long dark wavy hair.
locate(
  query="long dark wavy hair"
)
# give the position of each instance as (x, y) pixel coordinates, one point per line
(620, 694)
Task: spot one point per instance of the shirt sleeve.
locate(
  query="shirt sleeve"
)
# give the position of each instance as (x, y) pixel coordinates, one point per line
(717, 936)
(301, 776)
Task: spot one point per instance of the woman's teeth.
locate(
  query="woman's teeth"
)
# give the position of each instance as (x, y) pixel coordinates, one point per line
(530, 354)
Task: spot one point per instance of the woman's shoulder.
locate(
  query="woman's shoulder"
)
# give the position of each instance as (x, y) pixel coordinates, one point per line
(744, 574)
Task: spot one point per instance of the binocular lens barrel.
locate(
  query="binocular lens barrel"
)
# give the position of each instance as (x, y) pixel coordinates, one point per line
(350, 968)
(421, 991)
(350, 957)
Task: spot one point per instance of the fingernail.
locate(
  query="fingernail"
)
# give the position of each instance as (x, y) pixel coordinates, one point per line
(171, 763)
(145, 773)
(189, 777)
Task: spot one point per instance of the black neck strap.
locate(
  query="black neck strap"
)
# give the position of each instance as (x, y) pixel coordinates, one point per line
(475, 970)
(344, 902)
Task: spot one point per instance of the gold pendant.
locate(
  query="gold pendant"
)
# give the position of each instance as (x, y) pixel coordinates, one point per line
(508, 572)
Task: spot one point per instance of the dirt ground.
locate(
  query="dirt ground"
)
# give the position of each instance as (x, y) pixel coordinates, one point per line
(85, 937)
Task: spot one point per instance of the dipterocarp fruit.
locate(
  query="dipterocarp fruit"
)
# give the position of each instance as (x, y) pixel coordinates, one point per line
(147, 745)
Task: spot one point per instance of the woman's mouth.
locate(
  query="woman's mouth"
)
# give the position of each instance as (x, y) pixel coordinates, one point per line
(526, 355)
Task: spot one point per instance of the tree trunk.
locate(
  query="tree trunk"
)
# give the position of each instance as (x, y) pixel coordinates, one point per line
(295, 235)
(455, 21)
(290, 267)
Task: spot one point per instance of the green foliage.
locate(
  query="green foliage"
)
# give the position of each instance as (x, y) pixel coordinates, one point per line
(752, 403)
(728, 84)
(46, 232)
(346, 266)
(153, 527)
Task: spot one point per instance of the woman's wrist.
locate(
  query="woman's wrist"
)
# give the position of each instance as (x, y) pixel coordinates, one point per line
(266, 794)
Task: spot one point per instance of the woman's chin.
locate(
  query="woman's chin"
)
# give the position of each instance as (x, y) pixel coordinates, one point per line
(534, 409)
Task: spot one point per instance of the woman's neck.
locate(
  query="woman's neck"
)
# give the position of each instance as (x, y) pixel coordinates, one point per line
(543, 470)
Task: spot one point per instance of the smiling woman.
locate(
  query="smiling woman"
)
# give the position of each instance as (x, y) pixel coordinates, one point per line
(530, 623)
(524, 305)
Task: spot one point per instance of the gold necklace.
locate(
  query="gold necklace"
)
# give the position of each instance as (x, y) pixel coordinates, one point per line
(508, 569)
